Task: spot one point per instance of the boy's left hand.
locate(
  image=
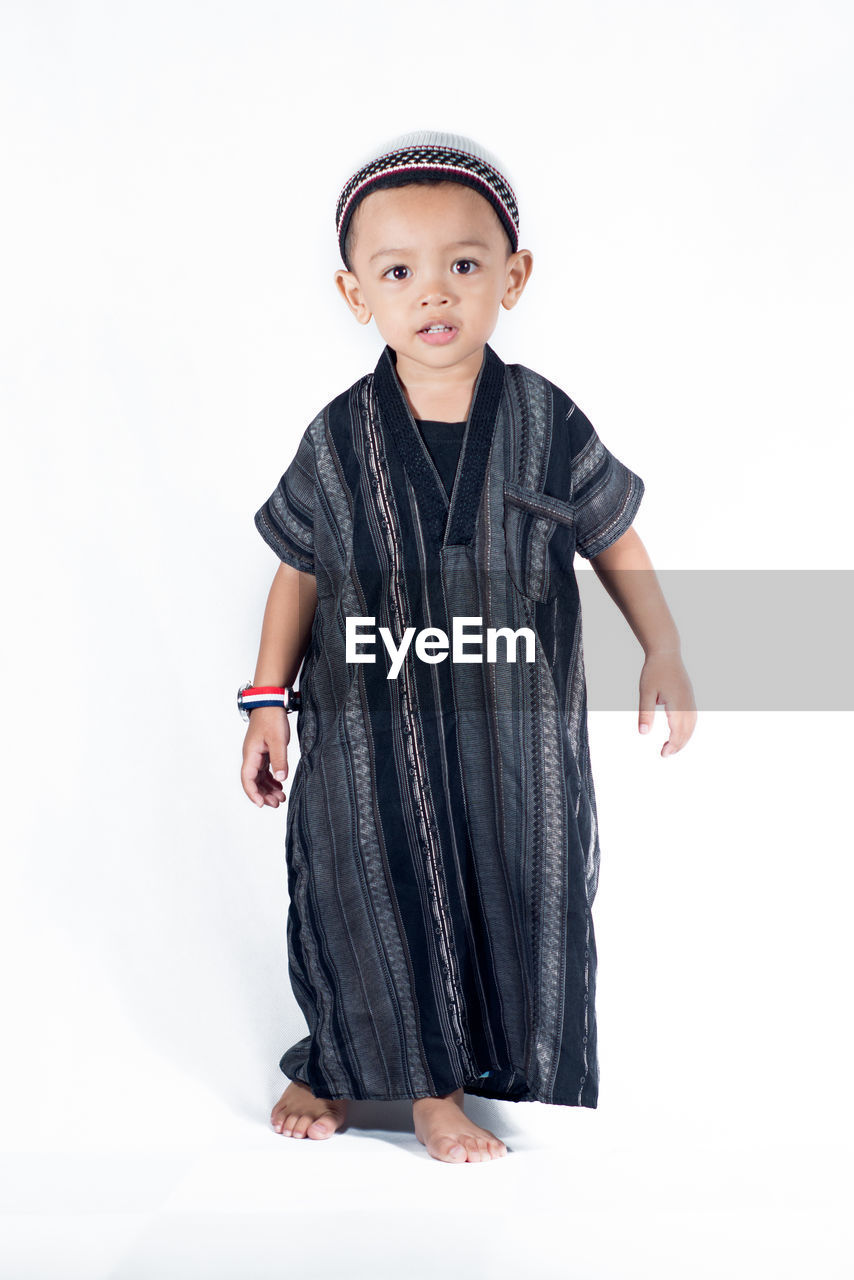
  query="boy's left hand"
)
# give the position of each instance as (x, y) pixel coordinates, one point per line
(663, 679)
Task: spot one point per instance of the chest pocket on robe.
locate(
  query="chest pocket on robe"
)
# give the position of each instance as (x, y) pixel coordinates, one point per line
(539, 535)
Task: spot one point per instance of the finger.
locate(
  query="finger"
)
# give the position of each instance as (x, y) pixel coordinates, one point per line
(276, 738)
(279, 752)
(279, 761)
(266, 783)
(249, 781)
(681, 724)
(274, 792)
(673, 743)
(648, 695)
(271, 791)
(253, 775)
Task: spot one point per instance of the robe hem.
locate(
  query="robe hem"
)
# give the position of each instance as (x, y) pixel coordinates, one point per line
(481, 1091)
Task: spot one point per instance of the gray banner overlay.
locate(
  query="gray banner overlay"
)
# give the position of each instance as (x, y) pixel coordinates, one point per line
(750, 640)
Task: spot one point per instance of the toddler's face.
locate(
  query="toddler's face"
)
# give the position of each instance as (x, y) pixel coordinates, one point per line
(423, 255)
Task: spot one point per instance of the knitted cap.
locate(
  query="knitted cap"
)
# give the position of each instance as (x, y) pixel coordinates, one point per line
(445, 155)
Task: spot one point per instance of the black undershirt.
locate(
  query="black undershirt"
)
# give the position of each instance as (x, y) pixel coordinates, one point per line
(444, 441)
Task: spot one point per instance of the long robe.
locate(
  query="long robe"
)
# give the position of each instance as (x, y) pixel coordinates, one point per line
(442, 842)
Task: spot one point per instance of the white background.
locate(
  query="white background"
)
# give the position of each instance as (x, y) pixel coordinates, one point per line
(169, 327)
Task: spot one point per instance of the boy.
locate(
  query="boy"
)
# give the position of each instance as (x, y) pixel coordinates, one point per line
(442, 840)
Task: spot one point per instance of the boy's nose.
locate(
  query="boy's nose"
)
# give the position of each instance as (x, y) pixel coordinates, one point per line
(434, 295)
(435, 287)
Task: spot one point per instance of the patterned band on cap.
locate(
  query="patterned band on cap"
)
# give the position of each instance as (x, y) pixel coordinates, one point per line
(452, 162)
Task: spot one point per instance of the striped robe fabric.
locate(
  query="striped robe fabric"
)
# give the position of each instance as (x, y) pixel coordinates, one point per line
(442, 841)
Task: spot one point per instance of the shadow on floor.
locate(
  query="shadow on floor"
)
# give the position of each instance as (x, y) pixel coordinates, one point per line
(393, 1117)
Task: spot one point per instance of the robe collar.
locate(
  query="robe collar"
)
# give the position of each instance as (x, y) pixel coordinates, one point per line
(452, 521)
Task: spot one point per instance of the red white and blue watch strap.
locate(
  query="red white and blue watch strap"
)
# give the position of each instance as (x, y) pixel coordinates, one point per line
(250, 696)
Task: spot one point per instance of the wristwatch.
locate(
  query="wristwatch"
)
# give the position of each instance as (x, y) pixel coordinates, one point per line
(265, 695)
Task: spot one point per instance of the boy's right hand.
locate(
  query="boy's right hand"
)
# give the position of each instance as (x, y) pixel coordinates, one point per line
(265, 756)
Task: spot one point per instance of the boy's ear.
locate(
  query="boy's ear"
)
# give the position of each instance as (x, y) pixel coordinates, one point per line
(351, 291)
(519, 270)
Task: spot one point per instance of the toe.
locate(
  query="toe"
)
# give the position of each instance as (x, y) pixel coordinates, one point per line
(451, 1150)
(301, 1125)
(320, 1128)
(288, 1122)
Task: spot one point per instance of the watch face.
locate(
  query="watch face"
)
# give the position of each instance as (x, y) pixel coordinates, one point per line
(240, 707)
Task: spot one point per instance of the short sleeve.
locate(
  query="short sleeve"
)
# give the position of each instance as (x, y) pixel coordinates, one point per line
(606, 493)
(286, 520)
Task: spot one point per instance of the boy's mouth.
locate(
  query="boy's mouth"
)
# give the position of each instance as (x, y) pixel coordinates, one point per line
(437, 335)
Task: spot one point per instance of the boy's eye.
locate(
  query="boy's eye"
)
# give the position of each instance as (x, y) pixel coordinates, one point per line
(468, 265)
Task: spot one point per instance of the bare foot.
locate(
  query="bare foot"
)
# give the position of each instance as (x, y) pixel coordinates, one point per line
(449, 1135)
(298, 1114)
